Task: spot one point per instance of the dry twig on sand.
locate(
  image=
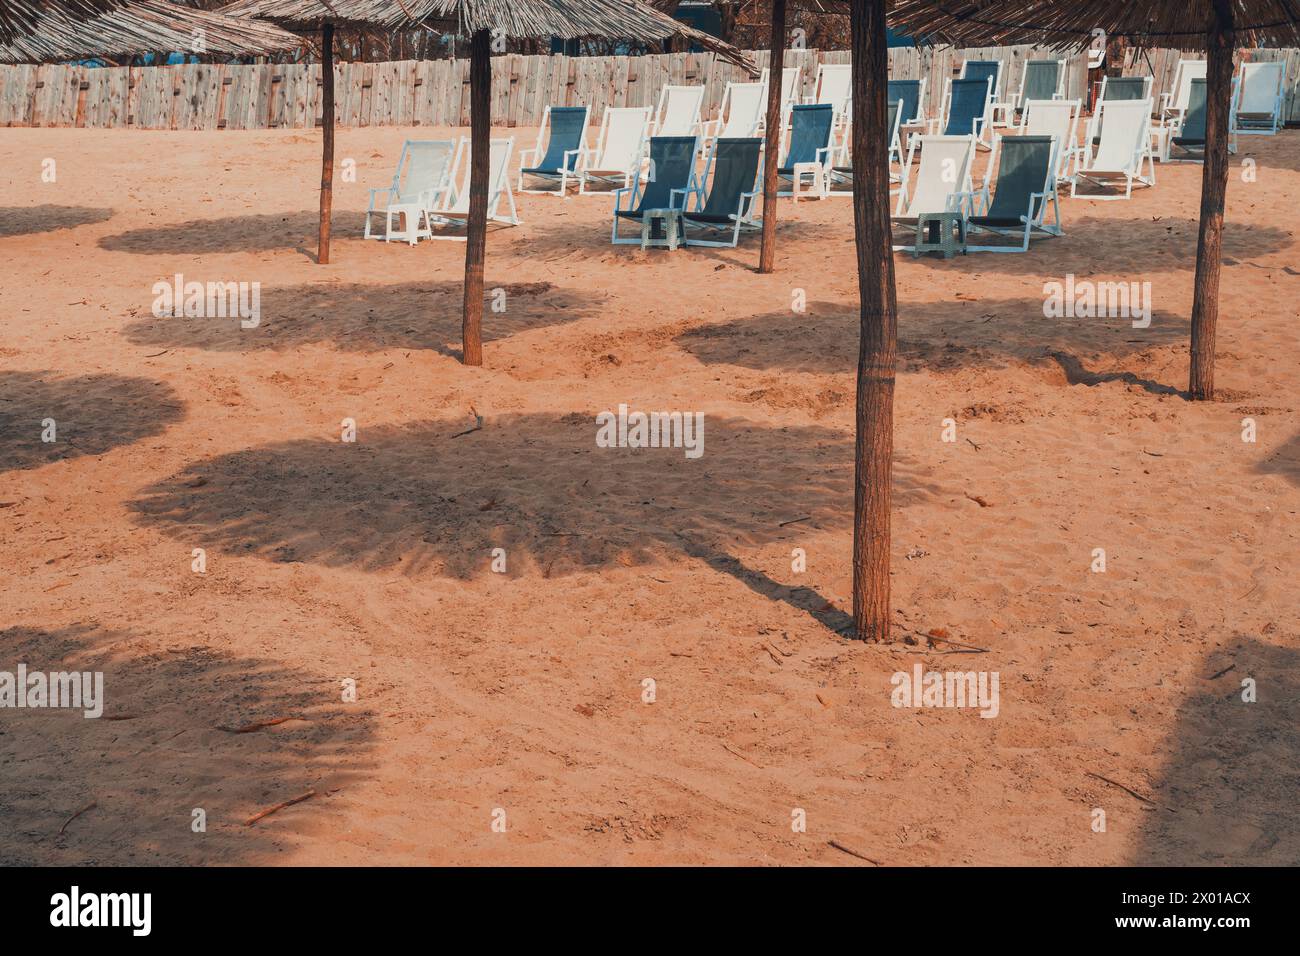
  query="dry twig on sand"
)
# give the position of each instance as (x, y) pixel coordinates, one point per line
(279, 806)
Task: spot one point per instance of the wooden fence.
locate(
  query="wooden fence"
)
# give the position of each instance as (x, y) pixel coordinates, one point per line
(436, 92)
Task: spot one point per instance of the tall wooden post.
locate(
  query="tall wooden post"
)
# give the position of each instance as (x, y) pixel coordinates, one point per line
(877, 351)
(480, 128)
(772, 148)
(327, 139)
(1220, 41)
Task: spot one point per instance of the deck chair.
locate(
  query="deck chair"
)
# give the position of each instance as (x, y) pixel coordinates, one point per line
(741, 113)
(912, 95)
(422, 181)
(619, 152)
(842, 171)
(1059, 118)
(1188, 131)
(729, 206)
(567, 126)
(943, 177)
(1259, 100)
(1174, 100)
(810, 152)
(456, 212)
(990, 70)
(671, 170)
(789, 86)
(1022, 196)
(678, 112)
(1121, 152)
(834, 85)
(966, 106)
(1041, 80)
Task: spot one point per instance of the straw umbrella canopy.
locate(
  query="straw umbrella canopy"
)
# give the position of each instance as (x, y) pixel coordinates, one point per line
(1215, 26)
(483, 21)
(51, 31)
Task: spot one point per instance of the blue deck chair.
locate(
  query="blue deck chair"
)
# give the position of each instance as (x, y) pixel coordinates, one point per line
(672, 170)
(811, 128)
(842, 171)
(729, 206)
(1121, 88)
(1040, 81)
(968, 104)
(1189, 131)
(909, 92)
(1022, 195)
(990, 70)
(568, 135)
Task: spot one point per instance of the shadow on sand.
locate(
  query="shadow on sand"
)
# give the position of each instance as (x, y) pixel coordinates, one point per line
(157, 753)
(258, 232)
(29, 220)
(411, 315)
(1127, 248)
(1228, 793)
(418, 499)
(1285, 461)
(92, 414)
(943, 336)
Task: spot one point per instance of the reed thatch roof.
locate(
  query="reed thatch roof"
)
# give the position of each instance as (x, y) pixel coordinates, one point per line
(1070, 24)
(51, 31)
(514, 19)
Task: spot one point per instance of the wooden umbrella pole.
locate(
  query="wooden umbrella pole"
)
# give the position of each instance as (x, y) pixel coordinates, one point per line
(772, 147)
(1214, 187)
(480, 124)
(327, 139)
(877, 351)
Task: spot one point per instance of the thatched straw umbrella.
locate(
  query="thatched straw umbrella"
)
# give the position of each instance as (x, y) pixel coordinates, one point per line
(482, 21)
(51, 31)
(1215, 26)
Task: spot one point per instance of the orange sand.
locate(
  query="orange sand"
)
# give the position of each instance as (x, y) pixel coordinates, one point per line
(523, 691)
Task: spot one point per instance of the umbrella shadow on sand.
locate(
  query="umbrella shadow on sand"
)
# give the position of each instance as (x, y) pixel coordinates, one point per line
(1227, 795)
(158, 753)
(256, 232)
(30, 220)
(420, 499)
(944, 336)
(1123, 249)
(1285, 461)
(353, 317)
(91, 414)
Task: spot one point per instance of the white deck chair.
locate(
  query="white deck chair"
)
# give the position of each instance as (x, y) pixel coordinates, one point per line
(1059, 118)
(1259, 106)
(1175, 100)
(678, 112)
(942, 177)
(834, 85)
(790, 82)
(620, 147)
(740, 114)
(423, 180)
(1124, 149)
(456, 213)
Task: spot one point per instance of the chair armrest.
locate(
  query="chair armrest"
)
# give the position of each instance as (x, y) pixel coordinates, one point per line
(524, 154)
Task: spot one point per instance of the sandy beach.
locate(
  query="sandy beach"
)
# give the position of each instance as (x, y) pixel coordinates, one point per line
(520, 697)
